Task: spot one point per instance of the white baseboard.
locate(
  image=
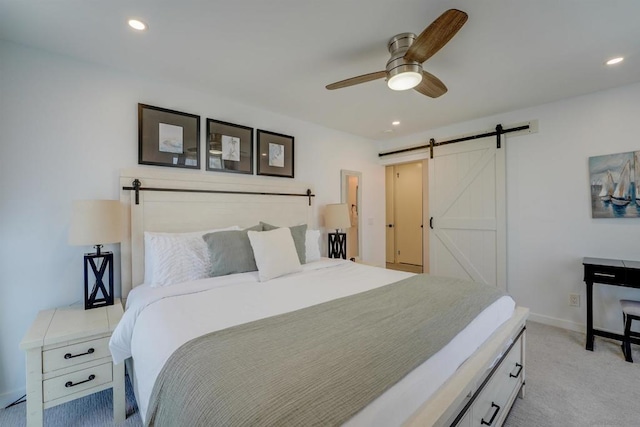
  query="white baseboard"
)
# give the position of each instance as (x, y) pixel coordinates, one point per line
(566, 324)
(11, 396)
(559, 323)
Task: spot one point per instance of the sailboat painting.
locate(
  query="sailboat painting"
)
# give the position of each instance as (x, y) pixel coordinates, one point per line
(614, 185)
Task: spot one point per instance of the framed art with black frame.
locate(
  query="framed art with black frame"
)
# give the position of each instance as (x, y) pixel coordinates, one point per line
(168, 137)
(229, 147)
(275, 154)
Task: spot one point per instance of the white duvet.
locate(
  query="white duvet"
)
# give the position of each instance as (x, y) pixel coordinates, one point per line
(158, 321)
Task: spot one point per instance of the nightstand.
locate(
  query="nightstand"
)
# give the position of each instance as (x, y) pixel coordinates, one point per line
(68, 357)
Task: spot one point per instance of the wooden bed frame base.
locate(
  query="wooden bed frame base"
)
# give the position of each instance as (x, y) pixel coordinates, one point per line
(460, 391)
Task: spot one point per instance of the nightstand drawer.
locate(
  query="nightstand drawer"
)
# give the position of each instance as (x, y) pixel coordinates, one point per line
(84, 379)
(75, 354)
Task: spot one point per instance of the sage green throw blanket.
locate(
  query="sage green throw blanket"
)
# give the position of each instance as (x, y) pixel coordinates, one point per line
(315, 366)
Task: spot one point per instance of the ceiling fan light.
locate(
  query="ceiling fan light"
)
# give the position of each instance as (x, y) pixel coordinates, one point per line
(404, 81)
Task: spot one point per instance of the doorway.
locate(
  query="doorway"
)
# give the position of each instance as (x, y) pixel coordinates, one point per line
(351, 195)
(405, 204)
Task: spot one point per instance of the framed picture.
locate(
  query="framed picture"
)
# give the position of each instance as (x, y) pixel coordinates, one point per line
(614, 185)
(229, 147)
(275, 154)
(168, 138)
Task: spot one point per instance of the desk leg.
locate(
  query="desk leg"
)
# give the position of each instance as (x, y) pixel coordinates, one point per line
(589, 345)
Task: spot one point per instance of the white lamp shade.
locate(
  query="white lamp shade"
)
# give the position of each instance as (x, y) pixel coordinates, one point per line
(336, 216)
(95, 222)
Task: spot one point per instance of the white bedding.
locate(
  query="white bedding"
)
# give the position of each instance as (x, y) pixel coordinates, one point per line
(159, 320)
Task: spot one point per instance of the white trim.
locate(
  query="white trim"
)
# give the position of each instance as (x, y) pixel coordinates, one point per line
(408, 157)
(559, 323)
(11, 396)
(567, 324)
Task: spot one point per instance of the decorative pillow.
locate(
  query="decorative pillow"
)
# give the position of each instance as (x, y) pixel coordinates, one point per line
(230, 251)
(312, 245)
(298, 234)
(171, 258)
(275, 253)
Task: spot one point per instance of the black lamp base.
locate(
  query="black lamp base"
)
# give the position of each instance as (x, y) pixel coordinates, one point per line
(338, 245)
(92, 261)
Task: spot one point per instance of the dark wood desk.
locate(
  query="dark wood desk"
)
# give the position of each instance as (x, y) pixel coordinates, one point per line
(607, 272)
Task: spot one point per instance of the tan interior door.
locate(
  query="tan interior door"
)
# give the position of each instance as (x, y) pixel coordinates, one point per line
(408, 213)
(391, 235)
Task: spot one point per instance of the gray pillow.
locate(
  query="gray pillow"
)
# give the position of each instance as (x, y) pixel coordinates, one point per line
(299, 233)
(230, 251)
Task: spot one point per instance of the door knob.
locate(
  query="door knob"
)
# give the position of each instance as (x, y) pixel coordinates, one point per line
(390, 225)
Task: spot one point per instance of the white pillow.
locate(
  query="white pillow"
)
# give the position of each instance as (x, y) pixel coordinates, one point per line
(274, 252)
(171, 258)
(312, 245)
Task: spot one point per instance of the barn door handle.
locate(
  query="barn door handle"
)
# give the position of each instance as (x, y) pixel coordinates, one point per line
(431, 223)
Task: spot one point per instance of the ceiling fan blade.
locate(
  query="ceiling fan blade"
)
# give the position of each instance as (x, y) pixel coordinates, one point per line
(431, 86)
(436, 35)
(357, 80)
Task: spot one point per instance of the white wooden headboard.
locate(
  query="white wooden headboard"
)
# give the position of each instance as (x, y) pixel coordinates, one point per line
(166, 211)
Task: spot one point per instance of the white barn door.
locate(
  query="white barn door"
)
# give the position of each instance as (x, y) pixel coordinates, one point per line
(467, 209)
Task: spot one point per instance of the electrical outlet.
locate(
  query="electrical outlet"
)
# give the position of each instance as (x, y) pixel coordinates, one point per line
(574, 300)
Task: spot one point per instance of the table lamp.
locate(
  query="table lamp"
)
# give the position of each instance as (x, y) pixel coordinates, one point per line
(336, 216)
(94, 223)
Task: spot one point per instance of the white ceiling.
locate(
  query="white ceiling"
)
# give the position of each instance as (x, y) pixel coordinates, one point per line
(280, 54)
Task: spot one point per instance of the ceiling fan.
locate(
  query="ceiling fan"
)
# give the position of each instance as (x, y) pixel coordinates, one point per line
(408, 52)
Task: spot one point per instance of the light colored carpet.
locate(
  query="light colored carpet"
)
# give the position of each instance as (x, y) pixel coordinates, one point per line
(566, 386)
(94, 410)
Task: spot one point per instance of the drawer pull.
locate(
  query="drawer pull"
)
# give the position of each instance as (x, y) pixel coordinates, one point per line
(493, 417)
(604, 275)
(91, 377)
(519, 366)
(71, 356)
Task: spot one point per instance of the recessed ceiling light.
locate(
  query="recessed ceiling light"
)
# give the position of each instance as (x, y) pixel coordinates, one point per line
(137, 24)
(615, 60)
(395, 123)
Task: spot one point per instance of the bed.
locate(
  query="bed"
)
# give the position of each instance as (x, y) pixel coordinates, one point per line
(472, 380)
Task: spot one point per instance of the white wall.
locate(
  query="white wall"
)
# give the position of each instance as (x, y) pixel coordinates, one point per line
(550, 228)
(68, 127)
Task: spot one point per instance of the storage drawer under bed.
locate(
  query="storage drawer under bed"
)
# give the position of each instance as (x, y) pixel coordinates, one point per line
(493, 402)
(491, 405)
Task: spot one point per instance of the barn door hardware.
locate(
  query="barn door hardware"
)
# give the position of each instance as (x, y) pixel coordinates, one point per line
(432, 142)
